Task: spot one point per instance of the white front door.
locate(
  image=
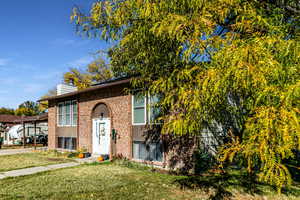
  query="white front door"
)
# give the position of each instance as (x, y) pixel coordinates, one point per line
(101, 136)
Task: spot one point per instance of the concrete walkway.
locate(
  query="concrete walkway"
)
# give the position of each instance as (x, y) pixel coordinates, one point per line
(4, 152)
(34, 170)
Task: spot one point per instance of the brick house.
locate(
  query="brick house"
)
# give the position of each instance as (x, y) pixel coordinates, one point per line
(105, 120)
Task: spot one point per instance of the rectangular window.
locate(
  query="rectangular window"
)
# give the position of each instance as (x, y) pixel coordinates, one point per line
(154, 110)
(73, 147)
(61, 114)
(68, 143)
(139, 109)
(67, 113)
(75, 113)
(148, 152)
(60, 142)
(145, 109)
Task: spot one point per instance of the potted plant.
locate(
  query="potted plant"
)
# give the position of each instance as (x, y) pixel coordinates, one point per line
(83, 153)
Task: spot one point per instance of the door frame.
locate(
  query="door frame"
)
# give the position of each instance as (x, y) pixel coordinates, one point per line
(106, 120)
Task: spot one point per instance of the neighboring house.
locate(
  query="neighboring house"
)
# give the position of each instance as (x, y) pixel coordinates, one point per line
(104, 120)
(33, 125)
(8, 121)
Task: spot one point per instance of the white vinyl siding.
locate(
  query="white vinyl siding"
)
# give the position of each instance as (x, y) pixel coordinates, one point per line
(67, 113)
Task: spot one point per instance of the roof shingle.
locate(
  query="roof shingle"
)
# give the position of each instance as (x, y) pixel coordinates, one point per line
(9, 118)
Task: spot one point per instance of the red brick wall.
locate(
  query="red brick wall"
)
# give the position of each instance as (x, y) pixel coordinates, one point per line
(179, 153)
(120, 115)
(119, 105)
(52, 125)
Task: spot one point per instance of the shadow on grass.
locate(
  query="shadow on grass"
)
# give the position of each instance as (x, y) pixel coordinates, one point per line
(222, 183)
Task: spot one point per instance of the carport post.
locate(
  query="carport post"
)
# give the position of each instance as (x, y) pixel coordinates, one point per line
(24, 139)
(35, 135)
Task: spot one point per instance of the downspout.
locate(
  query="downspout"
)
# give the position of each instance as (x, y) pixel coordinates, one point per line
(131, 127)
(34, 135)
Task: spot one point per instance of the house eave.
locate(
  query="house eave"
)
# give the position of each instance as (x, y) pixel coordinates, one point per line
(93, 88)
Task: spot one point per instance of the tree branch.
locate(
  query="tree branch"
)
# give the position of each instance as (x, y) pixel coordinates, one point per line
(295, 10)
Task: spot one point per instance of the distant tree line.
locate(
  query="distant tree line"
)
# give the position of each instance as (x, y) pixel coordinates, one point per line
(28, 108)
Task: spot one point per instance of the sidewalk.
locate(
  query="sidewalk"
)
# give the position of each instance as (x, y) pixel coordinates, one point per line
(34, 170)
(4, 152)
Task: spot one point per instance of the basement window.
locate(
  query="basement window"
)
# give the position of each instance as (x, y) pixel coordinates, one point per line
(147, 152)
(68, 143)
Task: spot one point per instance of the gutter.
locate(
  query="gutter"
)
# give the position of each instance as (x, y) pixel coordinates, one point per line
(93, 88)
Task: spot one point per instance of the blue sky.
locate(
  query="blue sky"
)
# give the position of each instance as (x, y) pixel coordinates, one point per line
(38, 44)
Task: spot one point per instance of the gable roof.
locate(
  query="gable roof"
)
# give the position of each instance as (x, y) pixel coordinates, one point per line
(98, 86)
(37, 118)
(9, 118)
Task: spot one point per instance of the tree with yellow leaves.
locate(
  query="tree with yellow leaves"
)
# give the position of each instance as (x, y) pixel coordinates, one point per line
(231, 63)
(96, 71)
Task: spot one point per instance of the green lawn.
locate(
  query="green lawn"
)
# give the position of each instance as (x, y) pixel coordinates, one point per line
(20, 161)
(111, 181)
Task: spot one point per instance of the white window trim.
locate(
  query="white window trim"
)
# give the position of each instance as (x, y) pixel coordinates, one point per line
(72, 120)
(58, 122)
(64, 113)
(70, 103)
(141, 160)
(145, 111)
(65, 149)
(149, 112)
